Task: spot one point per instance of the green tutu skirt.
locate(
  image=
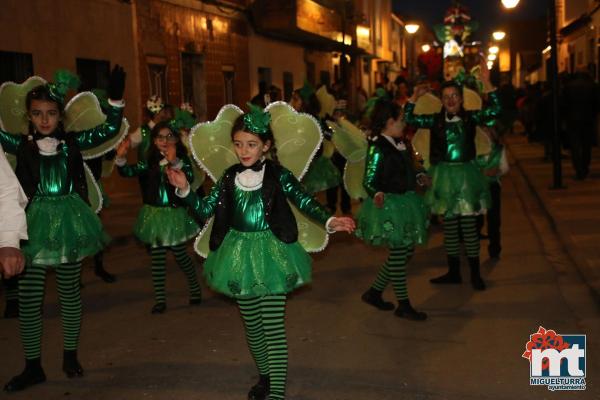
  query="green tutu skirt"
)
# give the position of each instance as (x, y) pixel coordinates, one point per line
(321, 175)
(458, 189)
(164, 226)
(62, 229)
(254, 264)
(401, 222)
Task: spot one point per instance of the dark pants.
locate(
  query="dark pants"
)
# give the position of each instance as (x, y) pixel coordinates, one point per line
(332, 193)
(493, 220)
(580, 140)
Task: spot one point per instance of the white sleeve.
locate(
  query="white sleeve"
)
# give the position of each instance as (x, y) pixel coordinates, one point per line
(136, 138)
(13, 225)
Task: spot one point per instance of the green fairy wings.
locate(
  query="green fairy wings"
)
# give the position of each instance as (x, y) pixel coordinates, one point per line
(297, 137)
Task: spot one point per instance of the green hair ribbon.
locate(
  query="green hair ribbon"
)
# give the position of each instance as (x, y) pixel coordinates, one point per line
(380, 94)
(183, 120)
(257, 120)
(63, 81)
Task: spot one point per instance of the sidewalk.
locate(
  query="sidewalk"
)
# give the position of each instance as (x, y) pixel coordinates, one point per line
(574, 211)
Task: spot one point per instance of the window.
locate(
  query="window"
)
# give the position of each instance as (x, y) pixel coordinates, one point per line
(93, 73)
(311, 72)
(228, 83)
(264, 75)
(15, 67)
(288, 85)
(325, 78)
(158, 80)
(194, 83)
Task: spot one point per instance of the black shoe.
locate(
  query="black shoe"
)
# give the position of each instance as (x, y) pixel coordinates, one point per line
(261, 390)
(159, 308)
(405, 310)
(12, 309)
(32, 375)
(373, 297)
(453, 274)
(476, 281)
(71, 366)
(105, 275)
(195, 302)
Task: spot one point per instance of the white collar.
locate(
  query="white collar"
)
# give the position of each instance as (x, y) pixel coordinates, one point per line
(400, 145)
(47, 146)
(249, 180)
(456, 118)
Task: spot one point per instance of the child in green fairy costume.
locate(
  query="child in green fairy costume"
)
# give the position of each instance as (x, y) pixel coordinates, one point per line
(63, 229)
(393, 215)
(163, 223)
(255, 256)
(459, 189)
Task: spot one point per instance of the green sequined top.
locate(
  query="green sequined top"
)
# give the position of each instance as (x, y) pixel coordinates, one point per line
(53, 168)
(156, 194)
(455, 131)
(248, 214)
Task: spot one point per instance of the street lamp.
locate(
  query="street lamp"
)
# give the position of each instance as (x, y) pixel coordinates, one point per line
(492, 57)
(490, 64)
(412, 28)
(425, 48)
(494, 50)
(499, 35)
(510, 3)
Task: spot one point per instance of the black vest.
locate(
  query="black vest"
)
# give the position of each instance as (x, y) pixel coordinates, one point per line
(438, 145)
(397, 173)
(278, 213)
(28, 167)
(150, 183)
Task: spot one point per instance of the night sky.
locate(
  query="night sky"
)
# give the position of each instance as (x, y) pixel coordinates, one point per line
(489, 13)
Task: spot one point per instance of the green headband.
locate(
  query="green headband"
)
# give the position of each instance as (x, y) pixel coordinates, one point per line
(257, 121)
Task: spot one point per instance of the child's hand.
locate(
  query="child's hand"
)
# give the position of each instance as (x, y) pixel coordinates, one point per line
(419, 91)
(171, 153)
(346, 224)
(378, 199)
(123, 148)
(177, 178)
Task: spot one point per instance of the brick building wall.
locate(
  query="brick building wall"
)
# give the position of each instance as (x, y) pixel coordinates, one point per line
(219, 41)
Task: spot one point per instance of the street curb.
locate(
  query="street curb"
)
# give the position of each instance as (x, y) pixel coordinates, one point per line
(569, 246)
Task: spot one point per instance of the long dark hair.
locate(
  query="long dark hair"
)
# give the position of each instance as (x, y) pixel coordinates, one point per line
(154, 155)
(240, 125)
(42, 93)
(384, 110)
